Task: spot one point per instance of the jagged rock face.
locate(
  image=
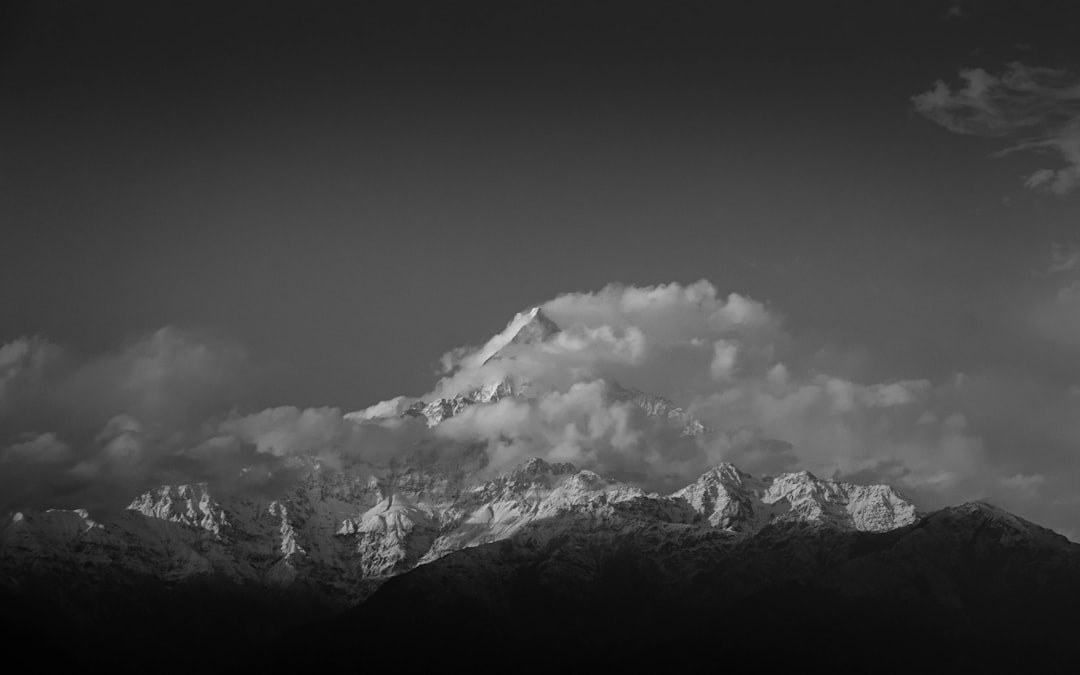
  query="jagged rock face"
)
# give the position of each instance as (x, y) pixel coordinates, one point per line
(345, 533)
(527, 328)
(659, 407)
(444, 408)
(731, 499)
(391, 536)
(654, 406)
(188, 504)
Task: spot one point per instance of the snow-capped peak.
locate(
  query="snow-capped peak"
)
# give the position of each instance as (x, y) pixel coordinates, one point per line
(731, 499)
(528, 327)
(188, 504)
(346, 532)
(659, 407)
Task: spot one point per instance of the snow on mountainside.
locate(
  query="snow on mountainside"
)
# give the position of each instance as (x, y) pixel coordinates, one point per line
(660, 407)
(731, 499)
(526, 328)
(343, 534)
(573, 545)
(341, 531)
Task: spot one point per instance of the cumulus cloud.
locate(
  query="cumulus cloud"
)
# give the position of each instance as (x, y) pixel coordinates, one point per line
(24, 364)
(837, 427)
(654, 336)
(36, 448)
(1036, 108)
(326, 433)
(730, 362)
(87, 431)
(727, 360)
(583, 425)
(168, 378)
(725, 354)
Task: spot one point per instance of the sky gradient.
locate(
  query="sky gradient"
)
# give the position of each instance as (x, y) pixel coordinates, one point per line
(337, 194)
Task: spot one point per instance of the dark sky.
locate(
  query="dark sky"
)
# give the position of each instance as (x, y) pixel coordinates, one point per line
(350, 189)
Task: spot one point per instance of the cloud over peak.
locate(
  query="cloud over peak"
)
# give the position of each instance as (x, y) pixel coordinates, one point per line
(157, 410)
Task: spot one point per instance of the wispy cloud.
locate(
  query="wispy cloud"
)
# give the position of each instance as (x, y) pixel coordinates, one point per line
(1037, 109)
(1062, 261)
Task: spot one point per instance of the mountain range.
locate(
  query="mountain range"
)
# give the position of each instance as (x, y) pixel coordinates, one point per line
(432, 557)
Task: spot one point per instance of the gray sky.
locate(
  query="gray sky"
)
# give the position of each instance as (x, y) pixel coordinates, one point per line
(333, 195)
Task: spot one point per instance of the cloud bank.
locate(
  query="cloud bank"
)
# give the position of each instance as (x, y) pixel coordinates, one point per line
(1037, 109)
(77, 430)
(95, 432)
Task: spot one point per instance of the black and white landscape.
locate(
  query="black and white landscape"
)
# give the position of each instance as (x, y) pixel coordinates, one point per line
(539, 336)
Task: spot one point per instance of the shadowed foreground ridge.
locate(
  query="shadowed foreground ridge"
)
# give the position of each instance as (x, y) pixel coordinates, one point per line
(589, 574)
(243, 571)
(435, 557)
(969, 586)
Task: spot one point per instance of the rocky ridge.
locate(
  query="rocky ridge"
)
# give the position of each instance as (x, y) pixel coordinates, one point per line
(343, 535)
(339, 532)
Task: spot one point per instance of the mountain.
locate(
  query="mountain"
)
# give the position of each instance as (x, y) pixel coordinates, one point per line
(966, 588)
(658, 407)
(342, 533)
(527, 328)
(731, 499)
(434, 556)
(337, 535)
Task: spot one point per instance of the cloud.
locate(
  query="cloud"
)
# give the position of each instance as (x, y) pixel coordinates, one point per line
(835, 426)
(1062, 261)
(727, 359)
(24, 363)
(1024, 483)
(39, 448)
(157, 410)
(325, 433)
(725, 356)
(586, 426)
(167, 378)
(1037, 108)
(87, 432)
(652, 336)
(730, 361)
(391, 408)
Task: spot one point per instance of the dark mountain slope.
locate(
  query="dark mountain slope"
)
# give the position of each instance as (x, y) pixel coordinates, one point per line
(966, 587)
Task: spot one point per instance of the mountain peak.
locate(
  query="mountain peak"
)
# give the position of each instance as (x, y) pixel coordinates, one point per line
(985, 520)
(532, 326)
(731, 499)
(658, 406)
(724, 472)
(529, 327)
(984, 510)
(536, 466)
(803, 476)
